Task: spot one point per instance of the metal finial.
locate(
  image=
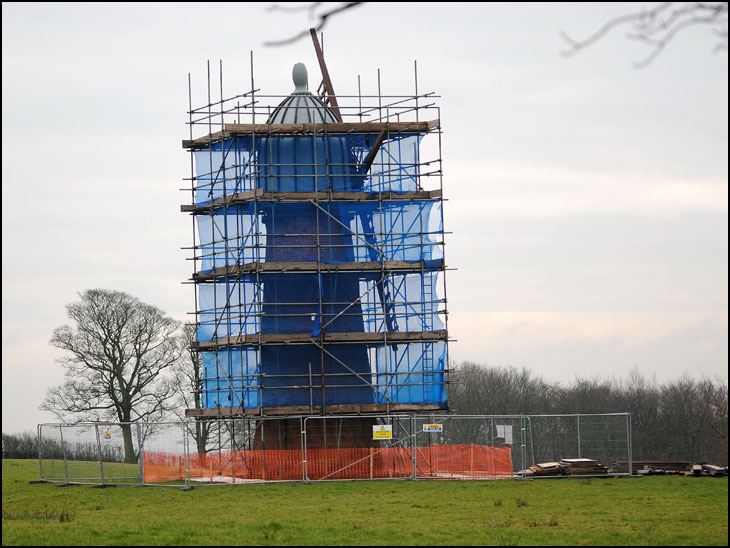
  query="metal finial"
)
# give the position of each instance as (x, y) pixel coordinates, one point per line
(299, 75)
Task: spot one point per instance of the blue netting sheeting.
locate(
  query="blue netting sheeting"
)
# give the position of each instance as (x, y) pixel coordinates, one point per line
(296, 303)
(305, 163)
(231, 378)
(406, 373)
(351, 302)
(395, 168)
(224, 169)
(348, 232)
(229, 307)
(228, 239)
(411, 373)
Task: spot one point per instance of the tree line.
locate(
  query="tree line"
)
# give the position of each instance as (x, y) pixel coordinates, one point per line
(681, 419)
(24, 445)
(126, 361)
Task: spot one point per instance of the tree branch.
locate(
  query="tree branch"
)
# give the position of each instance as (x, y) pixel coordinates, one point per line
(311, 7)
(658, 26)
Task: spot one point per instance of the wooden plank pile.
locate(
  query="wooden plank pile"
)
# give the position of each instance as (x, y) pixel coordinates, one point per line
(566, 467)
(584, 467)
(708, 470)
(652, 467)
(667, 468)
(545, 469)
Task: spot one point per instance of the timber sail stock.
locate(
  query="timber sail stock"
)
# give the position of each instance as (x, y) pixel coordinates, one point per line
(318, 256)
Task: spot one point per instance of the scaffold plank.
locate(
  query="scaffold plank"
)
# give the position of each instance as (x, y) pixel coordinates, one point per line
(327, 338)
(295, 410)
(233, 130)
(262, 196)
(364, 266)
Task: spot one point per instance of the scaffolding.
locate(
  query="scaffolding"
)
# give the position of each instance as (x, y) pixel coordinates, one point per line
(318, 253)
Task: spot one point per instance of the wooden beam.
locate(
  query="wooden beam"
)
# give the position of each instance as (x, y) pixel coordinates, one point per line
(233, 130)
(364, 266)
(326, 76)
(374, 149)
(262, 196)
(305, 410)
(327, 338)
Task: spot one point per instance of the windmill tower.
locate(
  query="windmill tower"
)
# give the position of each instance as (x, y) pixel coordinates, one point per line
(319, 262)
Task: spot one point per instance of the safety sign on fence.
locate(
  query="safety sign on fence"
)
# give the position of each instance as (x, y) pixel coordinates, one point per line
(383, 432)
(433, 427)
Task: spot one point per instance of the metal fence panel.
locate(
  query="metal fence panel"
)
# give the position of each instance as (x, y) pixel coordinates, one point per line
(119, 452)
(468, 447)
(325, 448)
(359, 447)
(81, 452)
(165, 453)
(245, 450)
(601, 438)
(51, 461)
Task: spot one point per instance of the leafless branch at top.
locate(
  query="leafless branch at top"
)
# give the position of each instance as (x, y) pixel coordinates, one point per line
(311, 9)
(309, 6)
(659, 25)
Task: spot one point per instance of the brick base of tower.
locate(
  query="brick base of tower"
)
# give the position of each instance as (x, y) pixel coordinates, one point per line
(321, 434)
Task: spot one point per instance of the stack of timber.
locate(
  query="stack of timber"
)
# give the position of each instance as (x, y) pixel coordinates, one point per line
(566, 467)
(544, 469)
(668, 468)
(583, 467)
(707, 470)
(651, 467)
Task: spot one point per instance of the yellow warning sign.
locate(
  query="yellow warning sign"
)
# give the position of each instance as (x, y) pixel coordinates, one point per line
(383, 432)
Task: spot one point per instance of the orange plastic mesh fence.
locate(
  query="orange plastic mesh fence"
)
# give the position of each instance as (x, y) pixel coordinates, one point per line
(462, 461)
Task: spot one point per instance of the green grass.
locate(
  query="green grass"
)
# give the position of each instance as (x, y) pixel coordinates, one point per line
(90, 471)
(653, 510)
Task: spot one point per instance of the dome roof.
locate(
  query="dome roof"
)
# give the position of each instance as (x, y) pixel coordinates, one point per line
(301, 107)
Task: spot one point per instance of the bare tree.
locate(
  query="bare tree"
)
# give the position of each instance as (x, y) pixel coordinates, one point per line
(499, 390)
(657, 26)
(714, 394)
(186, 380)
(117, 349)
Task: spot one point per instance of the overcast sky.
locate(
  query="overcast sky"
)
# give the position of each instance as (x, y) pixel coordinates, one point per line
(588, 199)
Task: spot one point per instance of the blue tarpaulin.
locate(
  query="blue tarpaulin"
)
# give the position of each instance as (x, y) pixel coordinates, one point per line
(316, 302)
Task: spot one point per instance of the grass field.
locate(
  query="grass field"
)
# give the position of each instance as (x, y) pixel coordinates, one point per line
(654, 510)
